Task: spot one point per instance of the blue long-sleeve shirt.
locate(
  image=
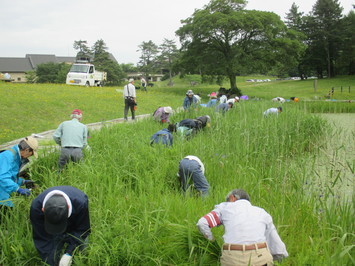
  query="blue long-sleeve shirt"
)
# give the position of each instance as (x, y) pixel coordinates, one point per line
(10, 162)
(78, 224)
(189, 102)
(163, 136)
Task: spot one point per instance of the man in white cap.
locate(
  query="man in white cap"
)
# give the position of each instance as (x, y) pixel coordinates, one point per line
(59, 217)
(11, 161)
(162, 114)
(72, 137)
(250, 237)
(129, 95)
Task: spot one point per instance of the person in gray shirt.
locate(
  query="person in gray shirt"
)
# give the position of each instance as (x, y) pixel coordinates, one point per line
(72, 137)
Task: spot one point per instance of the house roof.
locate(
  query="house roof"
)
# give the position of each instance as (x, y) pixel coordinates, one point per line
(15, 64)
(31, 61)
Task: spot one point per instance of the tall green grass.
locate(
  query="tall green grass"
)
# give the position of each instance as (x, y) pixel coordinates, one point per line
(140, 217)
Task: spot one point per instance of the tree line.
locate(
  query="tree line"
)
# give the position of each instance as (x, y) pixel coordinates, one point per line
(223, 40)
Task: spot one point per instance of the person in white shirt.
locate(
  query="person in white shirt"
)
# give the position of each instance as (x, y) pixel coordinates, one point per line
(278, 99)
(274, 111)
(129, 95)
(144, 84)
(250, 237)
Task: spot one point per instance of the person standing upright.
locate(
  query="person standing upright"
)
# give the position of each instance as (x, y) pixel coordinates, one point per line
(72, 137)
(129, 95)
(144, 84)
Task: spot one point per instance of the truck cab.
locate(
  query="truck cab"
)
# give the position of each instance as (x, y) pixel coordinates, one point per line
(84, 74)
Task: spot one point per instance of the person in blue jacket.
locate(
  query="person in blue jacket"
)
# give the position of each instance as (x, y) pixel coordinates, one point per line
(11, 161)
(60, 218)
(190, 101)
(164, 136)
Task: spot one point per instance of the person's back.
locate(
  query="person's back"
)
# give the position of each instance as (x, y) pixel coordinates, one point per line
(163, 136)
(74, 133)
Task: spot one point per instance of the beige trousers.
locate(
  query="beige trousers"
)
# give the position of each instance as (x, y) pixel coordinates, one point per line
(256, 257)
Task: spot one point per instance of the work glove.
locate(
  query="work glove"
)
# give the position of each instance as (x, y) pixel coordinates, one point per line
(24, 191)
(66, 260)
(29, 184)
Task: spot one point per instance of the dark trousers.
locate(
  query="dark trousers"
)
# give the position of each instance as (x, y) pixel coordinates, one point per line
(128, 105)
(69, 154)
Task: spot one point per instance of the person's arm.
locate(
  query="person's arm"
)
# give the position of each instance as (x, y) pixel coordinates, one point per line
(7, 181)
(85, 136)
(276, 246)
(58, 134)
(43, 242)
(81, 230)
(207, 222)
(185, 103)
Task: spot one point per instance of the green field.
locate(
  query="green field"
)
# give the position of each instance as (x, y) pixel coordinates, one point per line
(299, 167)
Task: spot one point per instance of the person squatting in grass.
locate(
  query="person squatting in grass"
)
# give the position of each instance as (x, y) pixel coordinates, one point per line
(129, 95)
(250, 237)
(188, 127)
(11, 161)
(273, 111)
(164, 136)
(162, 114)
(192, 169)
(72, 136)
(59, 218)
(190, 101)
(224, 107)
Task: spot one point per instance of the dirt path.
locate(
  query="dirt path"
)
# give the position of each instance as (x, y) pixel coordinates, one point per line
(48, 135)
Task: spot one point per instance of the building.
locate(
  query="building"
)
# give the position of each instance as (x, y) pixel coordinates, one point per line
(17, 67)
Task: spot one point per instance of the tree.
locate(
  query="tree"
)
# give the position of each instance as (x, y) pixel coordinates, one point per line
(323, 29)
(224, 39)
(168, 55)
(52, 72)
(346, 62)
(294, 18)
(84, 51)
(149, 51)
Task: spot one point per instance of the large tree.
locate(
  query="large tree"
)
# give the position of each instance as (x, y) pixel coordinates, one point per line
(149, 52)
(84, 52)
(225, 39)
(323, 28)
(168, 55)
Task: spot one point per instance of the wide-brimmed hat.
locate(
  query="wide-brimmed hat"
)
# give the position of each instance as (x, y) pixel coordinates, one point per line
(56, 214)
(33, 143)
(189, 92)
(168, 110)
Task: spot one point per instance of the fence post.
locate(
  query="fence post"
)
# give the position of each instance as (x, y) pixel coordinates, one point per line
(315, 85)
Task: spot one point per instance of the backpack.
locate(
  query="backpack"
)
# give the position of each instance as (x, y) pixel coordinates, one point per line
(183, 131)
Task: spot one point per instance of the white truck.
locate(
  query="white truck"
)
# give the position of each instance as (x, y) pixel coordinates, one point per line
(84, 74)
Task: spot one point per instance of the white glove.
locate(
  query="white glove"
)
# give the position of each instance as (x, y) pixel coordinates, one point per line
(66, 260)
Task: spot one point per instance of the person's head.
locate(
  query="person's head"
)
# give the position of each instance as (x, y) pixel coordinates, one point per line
(213, 95)
(168, 110)
(230, 104)
(236, 98)
(28, 147)
(279, 109)
(205, 120)
(237, 194)
(190, 93)
(57, 209)
(131, 80)
(172, 127)
(76, 113)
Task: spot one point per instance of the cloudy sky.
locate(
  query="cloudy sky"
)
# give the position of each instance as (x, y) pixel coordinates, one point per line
(52, 26)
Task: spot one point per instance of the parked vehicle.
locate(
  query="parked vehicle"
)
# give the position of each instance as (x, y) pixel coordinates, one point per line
(84, 74)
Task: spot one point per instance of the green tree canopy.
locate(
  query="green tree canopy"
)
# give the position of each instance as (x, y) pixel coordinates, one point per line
(225, 39)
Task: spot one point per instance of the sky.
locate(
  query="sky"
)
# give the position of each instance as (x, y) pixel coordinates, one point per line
(52, 26)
